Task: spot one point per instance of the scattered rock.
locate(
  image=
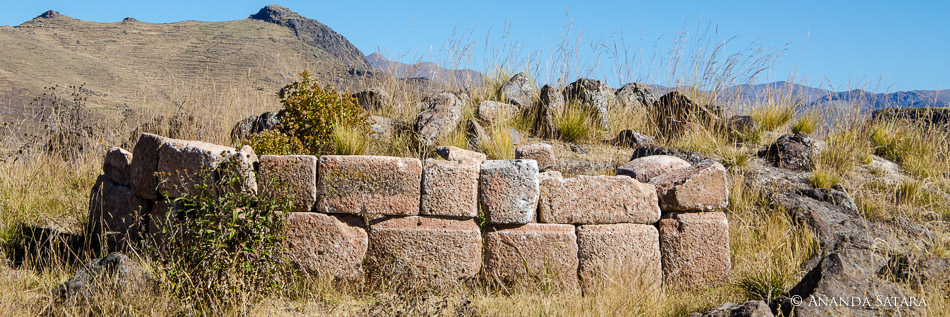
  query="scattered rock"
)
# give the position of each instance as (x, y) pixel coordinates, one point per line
(632, 139)
(117, 165)
(701, 187)
(368, 185)
(515, 136)
(292, 177)
(495, 112)
(552, 103)
(593, 94)
(648, 150)
(508, 191)
(328, 245)
(597, 200)
(577, 148)
(254, 125)
(695, 248)
(475, 134)
(452, 153)
(434, 250)
(543, 153)
(675, 110)
(374, 99)
(791, 152)
(518, 91)
(646, 168)
(620, 254)
(440, 116)
(450, 188)
(114, 272)
(636, 95)
(750, 308)
(532, 253)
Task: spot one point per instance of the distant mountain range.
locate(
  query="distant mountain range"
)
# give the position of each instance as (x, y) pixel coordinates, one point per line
(869, 100)
(457, 78)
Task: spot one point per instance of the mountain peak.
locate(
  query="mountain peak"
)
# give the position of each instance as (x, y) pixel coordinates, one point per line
(49, 14)
(313, 32)
(275, 14)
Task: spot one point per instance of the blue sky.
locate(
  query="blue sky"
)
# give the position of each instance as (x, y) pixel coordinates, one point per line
(876, 45)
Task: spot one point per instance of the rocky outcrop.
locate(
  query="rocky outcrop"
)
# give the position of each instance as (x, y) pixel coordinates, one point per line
(636, 96)
(518, 91)
(674, 111)
(314, 33)
(441, 114)
(792, 152)
(254, 125)
(594, 95)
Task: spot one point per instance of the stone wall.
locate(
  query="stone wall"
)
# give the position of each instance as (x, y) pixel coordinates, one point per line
(352, 217)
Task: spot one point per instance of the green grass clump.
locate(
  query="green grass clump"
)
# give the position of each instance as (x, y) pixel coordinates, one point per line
(575, 125)
(774, 114)
(349, 141)
(824, 178)
(806, 123)
(501, 146)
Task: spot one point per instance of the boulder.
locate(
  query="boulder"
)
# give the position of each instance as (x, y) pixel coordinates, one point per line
(701, 187)
(675, 110)
(508, 191)
(452, 153)
(741, 128)
(534, 253)
(115, 208)
(254, 125)
(115, 272)
(632, 139)
(330, 245)
(541, 152)
(626, 255)
(552, 104)
(145, 155)
(450, 188)
(594, 95)
(441, 114)
(646, 168)
(650, 149)
(184, 164)
(475, 134)
(597, 200)
(117, 166)
(750, 308)
(381, 127)
(374, 99)
(636, 96)
(792, 152)
(292, 177)
(368, 185)
(518, 91)
(434, 249)
(695, 248)
(495, 112)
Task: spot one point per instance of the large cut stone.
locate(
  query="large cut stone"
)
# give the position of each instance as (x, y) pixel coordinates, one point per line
(695, 248)
(541, 152)
(117, 165)
(114, 208)
(534, 253)
(433, 248)
(369, 185)
(332, 245)
(495, 112)
(701, 187)
(292, 177)
(646, 168)
(145, 157)
(184, 164)
(623, 254)
(508, 191)
(440, 116)
(452, 153)
(450, 188)
(597, 200)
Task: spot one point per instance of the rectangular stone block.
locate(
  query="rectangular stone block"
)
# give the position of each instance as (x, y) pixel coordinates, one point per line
(144, 167)
(625, 255)
(436, 249)
(369, 185)
(181, 164)
(328, 245)
(452, 153)
(532, 253)
(695, 248)
(508, 191)
(450, 188)
(701, 187)
(292, 177)
(115, 208)
(597, 200)
(541, 152)
(646, 168)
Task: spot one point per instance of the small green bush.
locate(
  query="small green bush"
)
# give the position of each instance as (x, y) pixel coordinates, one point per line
(311, 113)
(273, 142)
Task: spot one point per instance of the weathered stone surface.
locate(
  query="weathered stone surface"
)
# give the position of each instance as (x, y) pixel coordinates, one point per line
(181, 164)
(475, 134)
(145, 155)
(114, 272)
(695, 248)
(648, 167)
(518, 91)
(240, 170)
(575, 167)
(374, 99)
(632, 139)
(675, 110)
(740, 128)
(595, 95)
(625, 254)
(508, 191)
(532, 253)
(748, 309)
(515, 136)
(254, 125)
(371, 185)
(541, 152)
(292, 177)
(597, 200)
(651, 149)
(701, 187)
(495, 112)
(636, 95)
(450, 188)
(552, 103)
(114, 208)
(381, 127)
(440, 116)
(433, 248)
(333, 245)
(790, 152)
(117, 165)
(452, 153)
